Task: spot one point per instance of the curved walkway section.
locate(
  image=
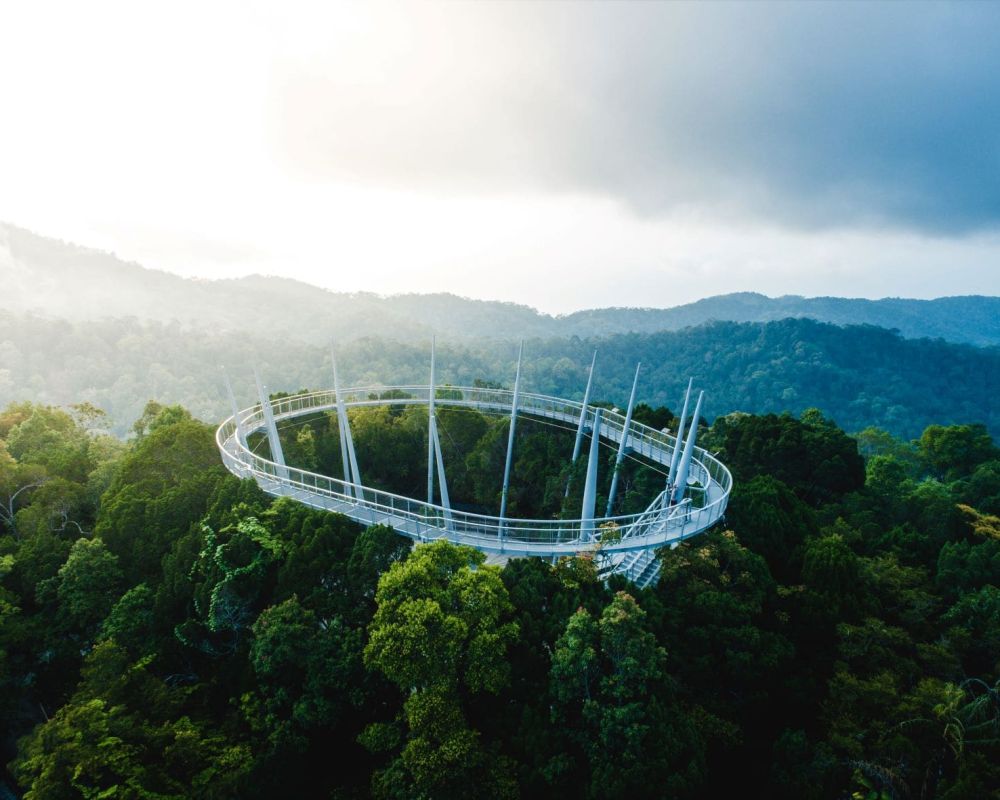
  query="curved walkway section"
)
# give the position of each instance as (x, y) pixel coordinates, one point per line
(624, 539)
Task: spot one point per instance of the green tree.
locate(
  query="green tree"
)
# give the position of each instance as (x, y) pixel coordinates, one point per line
(160, 491)
(120, 736)
(156, 415)
(950, 451)
(812, 455)
(231, 575)
(131, 623)
(88, 584)
(770, 520)
(441, 632)
(612, 694)
(831, 568)
(308, 672)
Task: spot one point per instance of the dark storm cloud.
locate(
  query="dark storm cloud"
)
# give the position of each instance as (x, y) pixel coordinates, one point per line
(806, 115)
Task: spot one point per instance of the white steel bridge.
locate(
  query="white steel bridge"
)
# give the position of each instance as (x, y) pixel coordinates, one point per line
(693, 499)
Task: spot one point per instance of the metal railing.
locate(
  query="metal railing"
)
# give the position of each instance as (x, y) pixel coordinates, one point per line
(659, 524)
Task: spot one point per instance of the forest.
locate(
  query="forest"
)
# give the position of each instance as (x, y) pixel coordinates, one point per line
(168, 631)
(858, 375)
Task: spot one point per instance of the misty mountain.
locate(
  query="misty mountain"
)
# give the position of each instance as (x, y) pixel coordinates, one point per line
(54, 278)
(858, 375)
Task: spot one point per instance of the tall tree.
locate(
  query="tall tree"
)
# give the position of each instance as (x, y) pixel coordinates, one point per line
(440, 632)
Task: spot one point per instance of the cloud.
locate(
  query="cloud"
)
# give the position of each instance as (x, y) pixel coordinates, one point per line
(804, 115)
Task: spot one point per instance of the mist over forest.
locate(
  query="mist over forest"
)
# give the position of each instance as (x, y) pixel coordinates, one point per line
(763, 564)
(51, 278)
(167, 627)
(80, 325)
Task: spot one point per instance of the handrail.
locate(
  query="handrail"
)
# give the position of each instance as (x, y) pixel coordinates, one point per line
(658, 524)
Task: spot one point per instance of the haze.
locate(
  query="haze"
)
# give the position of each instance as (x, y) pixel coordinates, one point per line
(560, 155)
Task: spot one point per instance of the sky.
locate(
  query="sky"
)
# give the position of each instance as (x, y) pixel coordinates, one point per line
(560, 155)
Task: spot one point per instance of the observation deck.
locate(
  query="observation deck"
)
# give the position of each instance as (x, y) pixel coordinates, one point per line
(626, 543)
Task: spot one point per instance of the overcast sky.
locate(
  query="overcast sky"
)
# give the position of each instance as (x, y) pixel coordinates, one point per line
(560, 155)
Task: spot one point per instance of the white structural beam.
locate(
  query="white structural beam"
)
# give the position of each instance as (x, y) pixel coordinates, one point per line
(660, 524)
(277, 455)
(510, 438)
(685, 465)
(442, 480)
(679, 444)
(577, 445)
(623, 443)
(583, 412)
(345, 427)
(235, 407)
(345, 463)
(430, 433)
(590, 487)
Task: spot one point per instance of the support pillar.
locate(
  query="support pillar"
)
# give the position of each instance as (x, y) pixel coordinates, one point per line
(340, 425)
(277, 455)
(685, 465)
(590, 487)
(431, 428)
(510, 439)
(622, 444)
(236, 409)
(345, 427)
(583, 419)
(675, 457)
(442, 480)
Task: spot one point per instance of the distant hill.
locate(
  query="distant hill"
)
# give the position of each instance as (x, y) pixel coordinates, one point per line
(972, 319)
(54, 278)
(858, 375)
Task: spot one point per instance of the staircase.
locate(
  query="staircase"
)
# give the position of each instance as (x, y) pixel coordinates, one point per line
(642, 567)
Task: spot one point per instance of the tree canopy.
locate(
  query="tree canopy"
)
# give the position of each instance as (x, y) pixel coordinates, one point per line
(169, 631)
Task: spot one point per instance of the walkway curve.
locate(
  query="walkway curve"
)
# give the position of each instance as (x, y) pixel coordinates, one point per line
(629, 539)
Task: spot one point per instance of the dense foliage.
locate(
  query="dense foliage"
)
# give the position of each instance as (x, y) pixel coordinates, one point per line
(167, 631)
(860, 376)
(391, 445)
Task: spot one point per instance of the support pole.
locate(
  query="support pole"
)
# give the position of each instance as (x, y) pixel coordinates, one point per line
(343, 451)
(675, 457)
(235, 407)
(590, 487)
(583, 420)
(623, 443)
(431, 426)
(442, 480)
(685, 465)
(583, 413)
(345, 426)
(277, 455)
(510, 438)
(340, 425)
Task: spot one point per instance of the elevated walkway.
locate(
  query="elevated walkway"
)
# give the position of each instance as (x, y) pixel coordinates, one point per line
(624, 543)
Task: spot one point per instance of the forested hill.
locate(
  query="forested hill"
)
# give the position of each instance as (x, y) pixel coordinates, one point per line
(859, 376)
(168, 631)
(63, 280)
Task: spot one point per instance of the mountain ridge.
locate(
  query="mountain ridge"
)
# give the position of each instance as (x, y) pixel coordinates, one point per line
(51, 277)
